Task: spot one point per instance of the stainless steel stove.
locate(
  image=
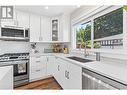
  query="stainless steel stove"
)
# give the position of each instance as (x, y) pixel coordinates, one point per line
(20, 62)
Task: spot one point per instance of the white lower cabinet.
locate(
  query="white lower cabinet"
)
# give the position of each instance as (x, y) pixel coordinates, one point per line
(6, 77)
(73, 76)
(37, 67)
(59, 71)
(68, 75)
(50, 65)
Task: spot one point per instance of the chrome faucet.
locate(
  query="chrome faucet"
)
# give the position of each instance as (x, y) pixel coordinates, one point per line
(86, 54)
(98, 56)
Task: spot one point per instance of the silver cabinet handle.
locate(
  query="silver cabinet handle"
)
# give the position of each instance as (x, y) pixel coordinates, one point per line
(38, 61)
(47, 59)
(58, 67)
(67, 75)
(38, 56)
(40, 38)
(38, 70)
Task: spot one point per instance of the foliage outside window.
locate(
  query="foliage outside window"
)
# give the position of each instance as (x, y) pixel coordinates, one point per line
(83, 35)
(108, 29)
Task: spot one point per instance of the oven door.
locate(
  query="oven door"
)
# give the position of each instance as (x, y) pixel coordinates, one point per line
(21, 70)
(21, 73)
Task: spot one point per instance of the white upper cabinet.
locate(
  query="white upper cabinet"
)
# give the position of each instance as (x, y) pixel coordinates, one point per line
(22, 19)
(60, 28)
(42, 28)
(55, 28)
(35, 28)
(45, 29)
(65, 27)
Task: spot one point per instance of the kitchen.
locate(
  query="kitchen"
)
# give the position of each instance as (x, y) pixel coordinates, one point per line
(64, 47)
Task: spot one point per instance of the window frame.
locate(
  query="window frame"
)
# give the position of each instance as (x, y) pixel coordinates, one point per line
(91, 19)
(76, 35)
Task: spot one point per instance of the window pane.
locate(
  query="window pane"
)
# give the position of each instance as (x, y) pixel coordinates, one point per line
(83, 35)
(108, 30)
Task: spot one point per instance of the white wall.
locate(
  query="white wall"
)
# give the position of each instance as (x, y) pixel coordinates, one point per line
(14, 47)
(81, 11)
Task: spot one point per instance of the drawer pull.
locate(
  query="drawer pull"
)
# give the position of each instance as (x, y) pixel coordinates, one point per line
(38, 56)
(38, 70)
(38, 61)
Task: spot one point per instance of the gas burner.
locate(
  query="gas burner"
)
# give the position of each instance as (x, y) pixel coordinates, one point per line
(14, 56)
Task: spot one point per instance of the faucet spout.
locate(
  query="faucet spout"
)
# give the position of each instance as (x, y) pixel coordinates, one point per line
(85, 51)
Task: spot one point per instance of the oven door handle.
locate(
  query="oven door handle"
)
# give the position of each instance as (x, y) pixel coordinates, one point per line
(19, 62)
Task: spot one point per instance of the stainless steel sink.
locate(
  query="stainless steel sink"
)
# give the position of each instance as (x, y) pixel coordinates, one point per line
(79, 59)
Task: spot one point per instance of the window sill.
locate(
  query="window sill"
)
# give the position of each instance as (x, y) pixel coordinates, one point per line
(108, 53)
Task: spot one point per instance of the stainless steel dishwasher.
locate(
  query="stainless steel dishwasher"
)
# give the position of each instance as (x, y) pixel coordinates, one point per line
(93, 80)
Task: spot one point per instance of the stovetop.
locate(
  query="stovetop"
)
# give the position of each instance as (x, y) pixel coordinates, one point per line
(13, 56)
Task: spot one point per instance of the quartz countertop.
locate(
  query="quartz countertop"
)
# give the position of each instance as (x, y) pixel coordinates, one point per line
(113, 71)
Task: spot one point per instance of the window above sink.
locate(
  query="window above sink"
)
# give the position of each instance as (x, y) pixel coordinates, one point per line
(112, 35)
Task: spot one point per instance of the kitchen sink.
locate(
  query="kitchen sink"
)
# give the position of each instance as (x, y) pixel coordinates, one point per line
(79, 59)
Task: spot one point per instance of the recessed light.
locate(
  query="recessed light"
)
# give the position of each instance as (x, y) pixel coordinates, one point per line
(46, 7)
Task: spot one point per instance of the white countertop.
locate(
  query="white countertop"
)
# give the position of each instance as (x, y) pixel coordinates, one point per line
(113, 71)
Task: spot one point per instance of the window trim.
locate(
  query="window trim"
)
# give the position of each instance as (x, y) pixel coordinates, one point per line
(75, 33)
(96, 15)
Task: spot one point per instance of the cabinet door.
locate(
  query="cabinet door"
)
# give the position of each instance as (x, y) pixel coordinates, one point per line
(50, 65)
(73, 76)
(23, 19)
(55, 68)
(59, 75)
(65, 27)
(55, 29)
(45, 28)
(34, 28)
(6, 78)
(44, 61)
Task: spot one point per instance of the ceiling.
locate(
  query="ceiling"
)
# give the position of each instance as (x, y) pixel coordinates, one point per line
(50, 11)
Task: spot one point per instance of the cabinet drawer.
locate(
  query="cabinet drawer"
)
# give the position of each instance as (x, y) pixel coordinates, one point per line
(35, 70)
(38, 61)
(36, 73)
(35, 63)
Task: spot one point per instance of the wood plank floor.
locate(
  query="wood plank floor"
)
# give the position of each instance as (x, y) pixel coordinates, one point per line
(45, 84)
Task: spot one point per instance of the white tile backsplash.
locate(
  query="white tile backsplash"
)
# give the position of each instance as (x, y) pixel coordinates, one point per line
(41, 46)
(14, 47)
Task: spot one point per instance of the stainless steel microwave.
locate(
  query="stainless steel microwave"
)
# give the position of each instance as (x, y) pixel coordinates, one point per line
(17, 33)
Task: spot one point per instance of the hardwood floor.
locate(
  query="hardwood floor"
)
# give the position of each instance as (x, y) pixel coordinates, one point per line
(45, 84)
